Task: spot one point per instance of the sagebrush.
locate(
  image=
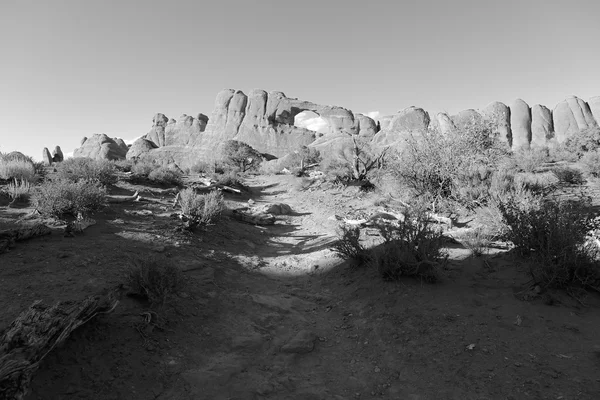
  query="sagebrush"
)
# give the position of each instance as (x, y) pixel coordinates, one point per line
(62, 197)
(206, 208)
(157, 280)
(87, 169)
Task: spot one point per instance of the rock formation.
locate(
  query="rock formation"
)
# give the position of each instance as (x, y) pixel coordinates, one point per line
(571, 116)
(542, 127)
(57, 155)
(520, 124)
(100, 146)
(499, 114)
(46, 156)
(265, 121)
(410, 121)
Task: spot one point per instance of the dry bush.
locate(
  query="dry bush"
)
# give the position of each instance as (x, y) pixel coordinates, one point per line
(569, 175)
(591, 163)
(13, 166)
(205, 208)
(348, 247)
(413, 247)
(529, 160)
(142, 169)
(584, 141)
(157, 280)
(229, 177)
(477, 240)
(165, 176)
(202, 167)
(19, 190)
(87, 169)
(64, 197)
(553, 235)
(241, 155)
(457, 166)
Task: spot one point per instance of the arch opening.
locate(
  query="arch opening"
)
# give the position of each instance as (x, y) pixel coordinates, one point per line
(312, 121)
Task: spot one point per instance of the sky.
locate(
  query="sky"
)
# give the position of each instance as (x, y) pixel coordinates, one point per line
(72, 68)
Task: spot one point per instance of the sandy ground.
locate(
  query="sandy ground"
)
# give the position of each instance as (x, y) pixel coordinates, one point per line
(271, 313)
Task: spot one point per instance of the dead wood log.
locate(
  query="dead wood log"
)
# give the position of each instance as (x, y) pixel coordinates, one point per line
(253, 218)
(10, 236)
(38, 330)
(123, 199)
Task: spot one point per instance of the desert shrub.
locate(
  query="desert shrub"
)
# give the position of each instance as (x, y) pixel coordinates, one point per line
(553, 235)
(87, 169)
(227, 178)
(165, 176)
(123, 165)
(559, 152)
(591, 163)
(569, 175)
(348, 246)
(202, 167)
(584, 141)
(19, 189)
(413, 247)
(65, 197)
(477, 240)
(241, 155)
(157, 280)
(205, 208)
(336, 170)
(456, 166)
(142, 169)
(17, 166)
(530, 160)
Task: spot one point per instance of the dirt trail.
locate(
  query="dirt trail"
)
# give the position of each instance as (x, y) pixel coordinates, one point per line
(271, 313)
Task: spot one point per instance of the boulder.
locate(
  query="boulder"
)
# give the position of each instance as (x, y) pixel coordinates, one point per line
(365, 126)
(157, 133)
(499, 114)
(466, 119)
(100, 146)
(594, 104)
(46, 156)
(520, 123)
(542, 128)
(57, 155)
(443, 123)
(410, 121)
(571, 116)
(140, 147)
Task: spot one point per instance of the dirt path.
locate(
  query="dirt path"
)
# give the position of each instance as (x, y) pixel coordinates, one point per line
(270, 313)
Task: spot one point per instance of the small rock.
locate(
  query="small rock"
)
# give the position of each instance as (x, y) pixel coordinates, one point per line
(303, 342)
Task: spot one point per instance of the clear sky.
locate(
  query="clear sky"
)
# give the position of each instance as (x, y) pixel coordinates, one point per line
(72, 68)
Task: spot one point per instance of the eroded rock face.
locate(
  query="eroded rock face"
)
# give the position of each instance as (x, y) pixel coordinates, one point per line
(571, 116)
(443, 123)
(520, 123)
(410, 121)
(46, 156)
(499, 114)
(57, 155)
(594, 104)
(365, 126)
(139, 148)
(100, 146)
(542, 127)
(467, 118)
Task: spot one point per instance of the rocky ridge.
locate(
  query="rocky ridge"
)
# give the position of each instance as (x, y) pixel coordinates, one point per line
(265, 120)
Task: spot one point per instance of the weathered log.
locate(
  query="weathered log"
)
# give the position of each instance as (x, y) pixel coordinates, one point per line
(123, 199)
(253, 218)
(10, 236)
(38, 330)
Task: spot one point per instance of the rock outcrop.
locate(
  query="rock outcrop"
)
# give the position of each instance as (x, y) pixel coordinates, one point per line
(140, 147)
(571, 116)
(265, 121)
(542, 127)
(46, 156)
(410, 121)
(499, 114)
(100, 146)
(520, 124)
(57, 155)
